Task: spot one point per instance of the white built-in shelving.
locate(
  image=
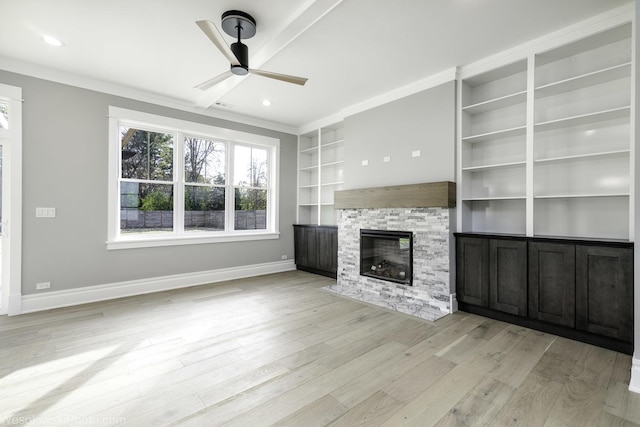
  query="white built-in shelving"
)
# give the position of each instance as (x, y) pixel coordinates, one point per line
(320, 174)
(493, 124)
(545, 144)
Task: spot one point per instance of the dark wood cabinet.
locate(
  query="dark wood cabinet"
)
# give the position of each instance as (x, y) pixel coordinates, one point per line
(327, 244)
(580, 289)
(492, 273)
(305, 243)
(552, 278)
(604, 291)
(472, 278)
(316, 249)
(508, 276)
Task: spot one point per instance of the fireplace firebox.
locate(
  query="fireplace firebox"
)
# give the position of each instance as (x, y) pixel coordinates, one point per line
(387, 255)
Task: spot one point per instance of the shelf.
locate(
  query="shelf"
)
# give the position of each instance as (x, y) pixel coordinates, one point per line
(309, 186)
(309, 168)
(494, 166)
(585, 80)
(327, 184)
(308, 204)
(504, 133)
(327, 204)
(581, 196)
(329, 144)
(585, 156)
(340, 162)
(488, 199)
(582, 119)
(309, 150)
(494, 104)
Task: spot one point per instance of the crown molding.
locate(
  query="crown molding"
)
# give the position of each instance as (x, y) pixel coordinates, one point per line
(402, 92)
(89, 83)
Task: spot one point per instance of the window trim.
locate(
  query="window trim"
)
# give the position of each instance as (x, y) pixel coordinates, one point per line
(179, 127)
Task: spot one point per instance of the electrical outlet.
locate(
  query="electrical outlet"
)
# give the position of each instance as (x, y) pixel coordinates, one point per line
(43, 285)
(386, 159)
(416, 153)
(284, 257)
(365, 163)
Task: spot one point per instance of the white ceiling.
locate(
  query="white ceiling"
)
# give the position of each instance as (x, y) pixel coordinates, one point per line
(351, 50)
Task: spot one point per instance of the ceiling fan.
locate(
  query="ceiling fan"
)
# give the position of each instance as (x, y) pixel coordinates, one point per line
(243, 26)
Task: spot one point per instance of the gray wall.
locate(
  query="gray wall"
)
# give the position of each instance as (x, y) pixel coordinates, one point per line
(65, 146)
(424, 121)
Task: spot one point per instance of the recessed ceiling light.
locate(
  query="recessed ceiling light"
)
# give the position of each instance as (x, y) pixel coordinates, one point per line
(266, 103)
(52, 41)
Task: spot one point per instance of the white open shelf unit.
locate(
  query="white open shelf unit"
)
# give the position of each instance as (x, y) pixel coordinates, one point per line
(320, 173)
(545, 144)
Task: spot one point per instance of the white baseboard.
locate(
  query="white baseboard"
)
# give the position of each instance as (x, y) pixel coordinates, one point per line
(70, 297)
(453, 303)
(15, 304)
(634, 384)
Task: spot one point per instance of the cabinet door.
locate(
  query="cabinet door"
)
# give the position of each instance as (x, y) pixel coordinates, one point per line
(508, 276)
(328, 249)
(305, 247)
(604, 291)
(472, 276)
(552, 285)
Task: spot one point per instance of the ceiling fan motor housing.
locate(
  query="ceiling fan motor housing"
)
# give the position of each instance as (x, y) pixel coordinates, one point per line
(241, 51)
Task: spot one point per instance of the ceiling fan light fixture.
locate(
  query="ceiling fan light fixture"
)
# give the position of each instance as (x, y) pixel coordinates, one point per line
(239, 70)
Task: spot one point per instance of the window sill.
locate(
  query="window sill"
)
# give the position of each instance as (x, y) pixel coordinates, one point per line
(131, 242)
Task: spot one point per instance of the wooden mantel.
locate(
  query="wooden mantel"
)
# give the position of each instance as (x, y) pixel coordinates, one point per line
(427, 195)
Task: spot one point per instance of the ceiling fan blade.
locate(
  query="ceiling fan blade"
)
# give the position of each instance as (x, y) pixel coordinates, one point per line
(214, 81)
(284, 77)
(214, 35)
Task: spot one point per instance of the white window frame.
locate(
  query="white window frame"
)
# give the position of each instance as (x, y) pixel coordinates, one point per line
(11, 287)
(180, 128)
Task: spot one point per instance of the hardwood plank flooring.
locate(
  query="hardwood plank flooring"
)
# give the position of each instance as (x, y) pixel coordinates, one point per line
(280, 350)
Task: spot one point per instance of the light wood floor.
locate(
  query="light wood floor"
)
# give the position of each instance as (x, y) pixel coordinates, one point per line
(279, 350)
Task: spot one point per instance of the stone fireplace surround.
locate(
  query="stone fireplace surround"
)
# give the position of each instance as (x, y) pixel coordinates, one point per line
(429, 221)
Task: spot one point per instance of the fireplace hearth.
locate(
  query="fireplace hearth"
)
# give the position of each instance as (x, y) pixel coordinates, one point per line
(387, 255)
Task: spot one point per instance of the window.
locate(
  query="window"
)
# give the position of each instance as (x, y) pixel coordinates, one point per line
(250, 181)
(146, 184)
(205, 184)
(177, 182)
(4, 115)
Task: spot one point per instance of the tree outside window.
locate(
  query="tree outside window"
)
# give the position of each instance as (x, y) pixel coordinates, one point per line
(204, 174)
(250, 187)
(146, 187)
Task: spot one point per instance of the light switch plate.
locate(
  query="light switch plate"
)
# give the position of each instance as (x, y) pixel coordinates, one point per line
(45, 212)
(416, 153)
